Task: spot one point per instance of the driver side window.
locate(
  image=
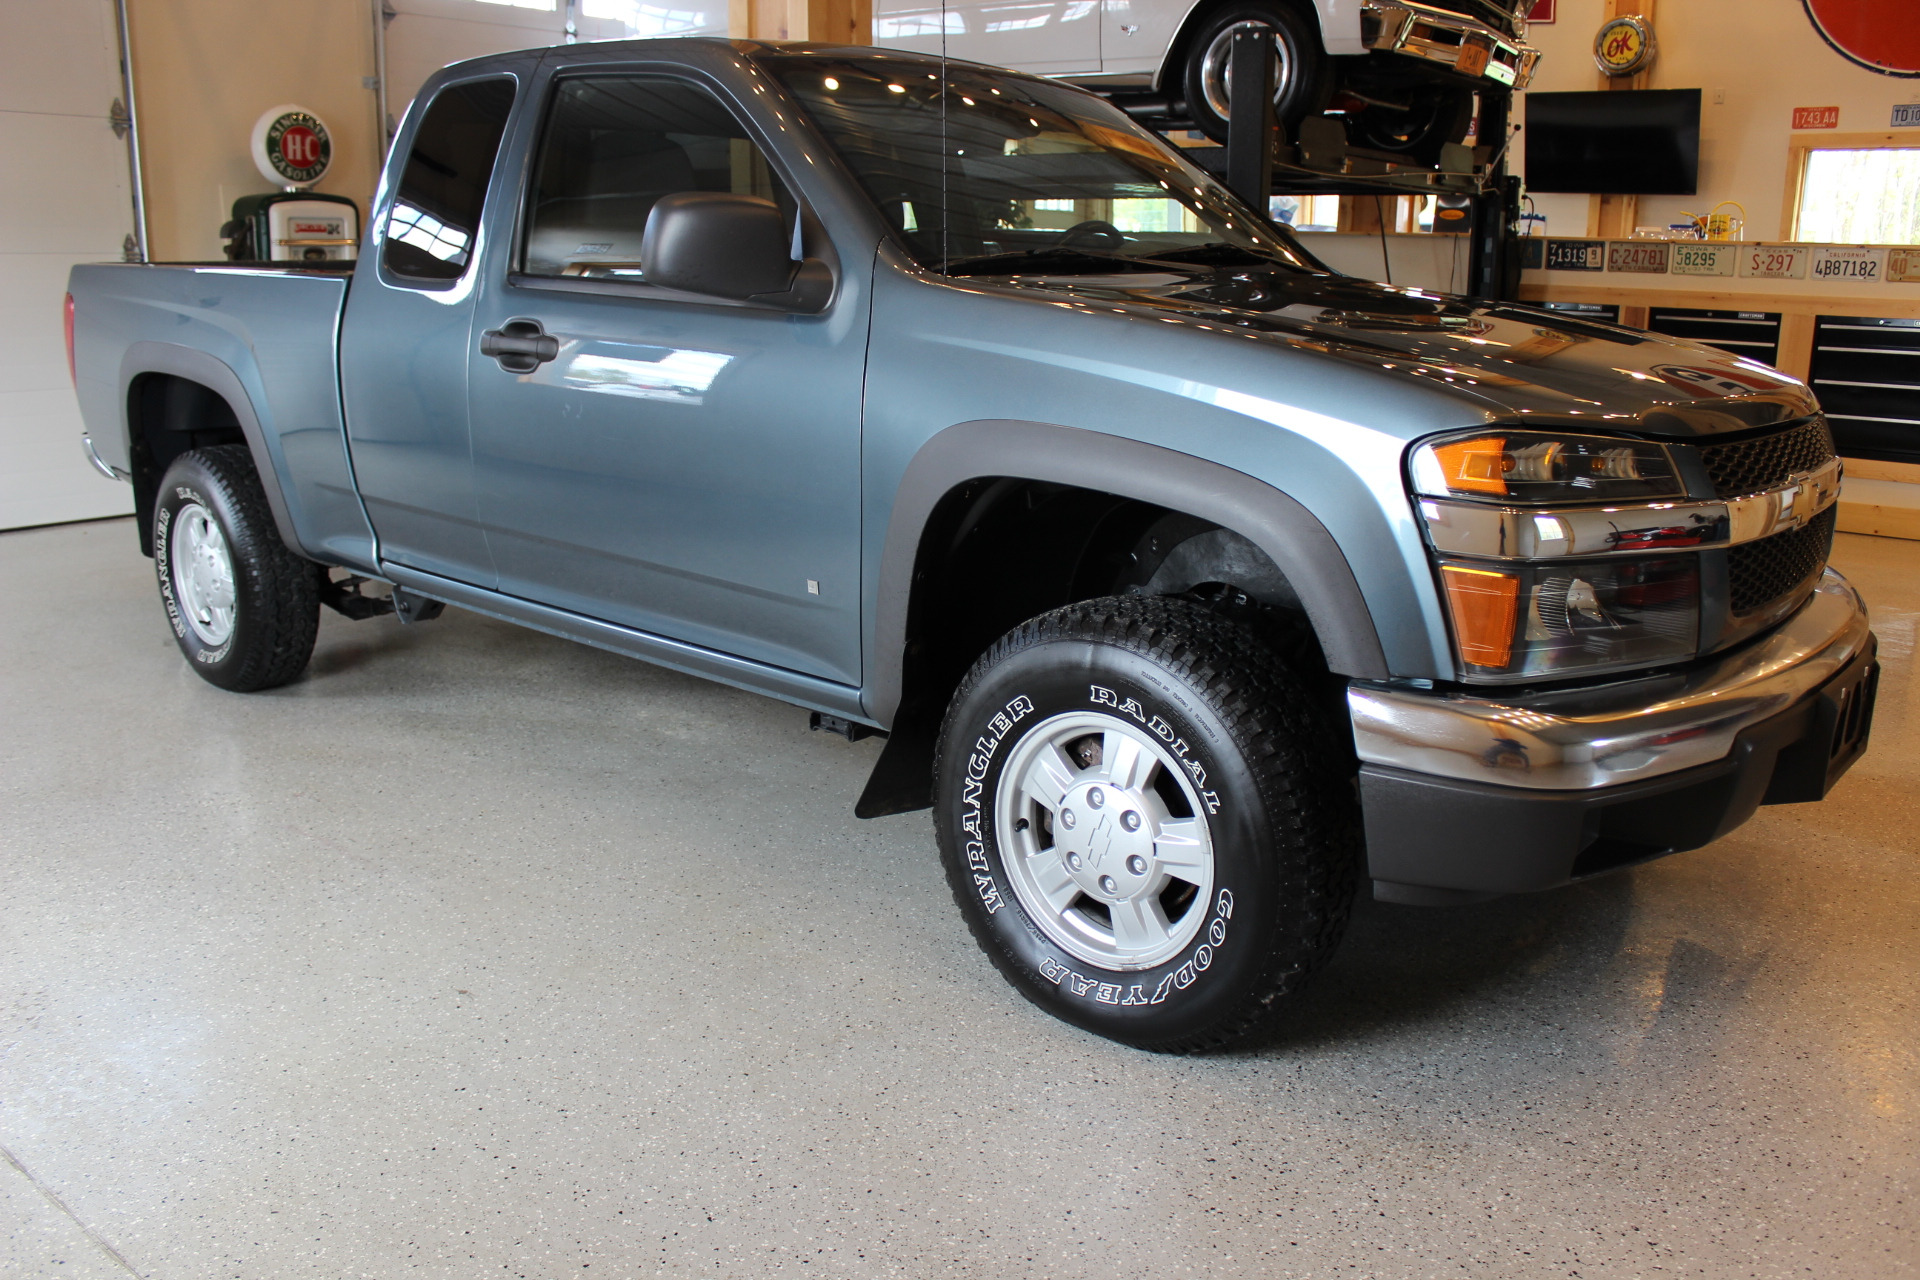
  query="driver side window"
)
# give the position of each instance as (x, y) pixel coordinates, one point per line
(613, 146)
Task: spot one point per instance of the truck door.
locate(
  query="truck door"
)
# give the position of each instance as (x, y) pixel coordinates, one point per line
(404, 341)
(679, 465)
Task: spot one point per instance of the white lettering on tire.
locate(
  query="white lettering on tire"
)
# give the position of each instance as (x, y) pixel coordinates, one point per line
(1104, 697)
(1199, 962)
(973, 786)
(161, 536)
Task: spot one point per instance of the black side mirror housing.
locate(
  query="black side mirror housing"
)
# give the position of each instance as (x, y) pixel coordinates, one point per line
(729, 246)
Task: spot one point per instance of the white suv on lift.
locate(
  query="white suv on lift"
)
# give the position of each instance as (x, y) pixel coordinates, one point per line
(1403, 74)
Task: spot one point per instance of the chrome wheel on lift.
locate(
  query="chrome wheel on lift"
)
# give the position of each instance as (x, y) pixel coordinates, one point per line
(1104, 844)
(1302, 72)
(1216, 67)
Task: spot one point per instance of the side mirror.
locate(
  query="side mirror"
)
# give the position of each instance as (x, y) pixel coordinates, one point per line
(729, 246)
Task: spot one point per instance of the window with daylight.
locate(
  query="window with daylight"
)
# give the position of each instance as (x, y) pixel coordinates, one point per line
(1306, 213)
(641, 20)
(435, 213)
(1867, 195)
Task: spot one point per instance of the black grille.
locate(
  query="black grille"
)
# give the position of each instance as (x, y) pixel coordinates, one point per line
(1754, 466)
(1759, 573)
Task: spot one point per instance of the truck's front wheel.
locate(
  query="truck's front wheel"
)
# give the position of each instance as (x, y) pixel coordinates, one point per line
(1144, 822)
(243, 607)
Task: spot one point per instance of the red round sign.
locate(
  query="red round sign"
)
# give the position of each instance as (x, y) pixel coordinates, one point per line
(1880, 35)
(300, 147)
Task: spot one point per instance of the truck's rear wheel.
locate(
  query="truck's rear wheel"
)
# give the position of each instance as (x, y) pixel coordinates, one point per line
(243, 607)
(1144, 822)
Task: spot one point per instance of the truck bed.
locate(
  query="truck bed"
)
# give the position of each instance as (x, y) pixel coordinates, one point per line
(266, 337)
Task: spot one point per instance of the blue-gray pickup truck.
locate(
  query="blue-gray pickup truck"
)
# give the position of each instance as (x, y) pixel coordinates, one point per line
(1192, 584)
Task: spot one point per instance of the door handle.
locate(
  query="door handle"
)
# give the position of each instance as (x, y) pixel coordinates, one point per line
(520, 346)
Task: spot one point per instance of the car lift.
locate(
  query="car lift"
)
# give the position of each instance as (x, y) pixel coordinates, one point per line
(1258, 162)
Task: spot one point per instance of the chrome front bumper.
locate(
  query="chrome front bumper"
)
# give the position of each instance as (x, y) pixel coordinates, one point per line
(1451, 40)
(1629, 731)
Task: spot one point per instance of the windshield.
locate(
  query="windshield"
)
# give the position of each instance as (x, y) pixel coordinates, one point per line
(1018, 169)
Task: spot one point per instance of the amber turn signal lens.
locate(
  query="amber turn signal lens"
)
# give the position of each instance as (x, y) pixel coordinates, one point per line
(1475, 466)
(1483, 604)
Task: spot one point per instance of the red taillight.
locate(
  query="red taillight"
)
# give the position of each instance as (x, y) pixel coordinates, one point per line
(72, 370)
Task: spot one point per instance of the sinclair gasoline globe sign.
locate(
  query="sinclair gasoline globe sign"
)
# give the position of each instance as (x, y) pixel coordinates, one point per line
(291, 147)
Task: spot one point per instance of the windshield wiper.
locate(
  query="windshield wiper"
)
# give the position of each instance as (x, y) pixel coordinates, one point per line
(1052, 259)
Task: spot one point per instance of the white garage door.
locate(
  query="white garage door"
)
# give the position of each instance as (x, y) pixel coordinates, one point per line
(425, 35)
(63, 199)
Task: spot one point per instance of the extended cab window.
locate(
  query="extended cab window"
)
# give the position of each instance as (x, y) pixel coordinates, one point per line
(436, 212)
(982, 171)
(613, 146)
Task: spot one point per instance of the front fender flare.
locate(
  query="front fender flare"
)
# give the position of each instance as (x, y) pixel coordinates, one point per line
(1290, 535)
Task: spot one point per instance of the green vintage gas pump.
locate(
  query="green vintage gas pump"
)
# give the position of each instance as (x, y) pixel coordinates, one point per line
(291, 147)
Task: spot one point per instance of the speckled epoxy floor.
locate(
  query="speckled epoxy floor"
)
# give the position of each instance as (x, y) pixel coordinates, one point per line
(478, 953)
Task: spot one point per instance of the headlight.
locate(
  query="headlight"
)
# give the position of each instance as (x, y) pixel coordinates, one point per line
(1528, 620)
(1538, 467)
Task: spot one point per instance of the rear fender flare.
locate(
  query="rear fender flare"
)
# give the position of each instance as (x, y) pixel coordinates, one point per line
(211, 372)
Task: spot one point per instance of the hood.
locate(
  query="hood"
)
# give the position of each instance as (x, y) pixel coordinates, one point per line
(1518, 360)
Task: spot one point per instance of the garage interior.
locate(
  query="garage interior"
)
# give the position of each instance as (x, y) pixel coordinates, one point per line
(475, 951)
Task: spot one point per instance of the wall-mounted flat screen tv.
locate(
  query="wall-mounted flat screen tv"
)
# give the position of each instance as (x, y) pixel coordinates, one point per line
(1629, 142)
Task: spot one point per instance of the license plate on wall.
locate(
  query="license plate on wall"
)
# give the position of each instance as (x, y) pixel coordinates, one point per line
(1643, 257)
(1576, 255)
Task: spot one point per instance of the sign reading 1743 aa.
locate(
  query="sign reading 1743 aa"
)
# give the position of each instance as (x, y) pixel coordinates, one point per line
(291, 146)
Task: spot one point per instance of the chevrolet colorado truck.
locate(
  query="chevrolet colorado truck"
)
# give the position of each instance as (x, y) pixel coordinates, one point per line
(1191, 583)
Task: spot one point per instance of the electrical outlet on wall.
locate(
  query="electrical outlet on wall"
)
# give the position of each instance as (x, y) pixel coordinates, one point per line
(1719, 97)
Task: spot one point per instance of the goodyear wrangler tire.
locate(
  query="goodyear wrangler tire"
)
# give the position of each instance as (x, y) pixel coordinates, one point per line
(1146, 821)
(243, 607)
